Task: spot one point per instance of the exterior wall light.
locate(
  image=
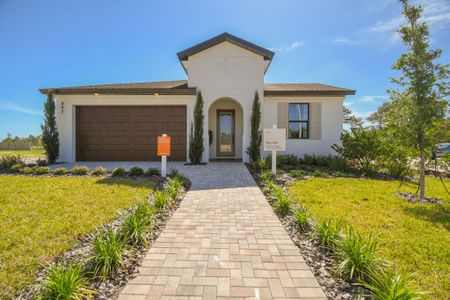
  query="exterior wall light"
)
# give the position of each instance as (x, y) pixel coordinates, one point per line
(156, 94)
(62, 106)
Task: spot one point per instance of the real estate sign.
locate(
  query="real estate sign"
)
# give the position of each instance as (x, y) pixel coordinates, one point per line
(274, 139)
(163, 145)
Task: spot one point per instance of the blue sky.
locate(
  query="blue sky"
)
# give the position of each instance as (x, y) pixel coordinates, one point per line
(54, 43)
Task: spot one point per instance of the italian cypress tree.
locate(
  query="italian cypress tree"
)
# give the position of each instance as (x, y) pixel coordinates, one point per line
(196, 139)
(254, 150)
(50, 138)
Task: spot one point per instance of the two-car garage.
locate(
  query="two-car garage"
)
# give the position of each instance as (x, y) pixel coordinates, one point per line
(128, 133)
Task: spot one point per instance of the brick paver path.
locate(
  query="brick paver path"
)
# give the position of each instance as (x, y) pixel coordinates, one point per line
(223, 242)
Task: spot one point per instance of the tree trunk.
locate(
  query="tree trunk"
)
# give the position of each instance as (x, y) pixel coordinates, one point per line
(422, 174)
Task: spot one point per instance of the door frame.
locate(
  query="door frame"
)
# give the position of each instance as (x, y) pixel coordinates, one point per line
(233, 129)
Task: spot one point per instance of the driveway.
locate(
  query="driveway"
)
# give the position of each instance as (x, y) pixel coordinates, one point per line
(223, 242)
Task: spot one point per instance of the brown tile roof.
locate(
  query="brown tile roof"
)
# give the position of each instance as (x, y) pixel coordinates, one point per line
(179, 87)
(288, 89)
(176, 87)
(226, 37)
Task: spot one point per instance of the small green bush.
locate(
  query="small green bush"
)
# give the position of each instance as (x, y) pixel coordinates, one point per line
(160, 200)
(258, 165)
(80, 170)
(9, 160)
(329, 233)
(107, 251)
(26, 170)
(16, 168)
(283, 204)
(152, 172)
(65, 283)
(136, 225)
(118, 172)
(37, 170)
(357, 256)
(298, 174)
(99, 171)
(60, 171)
(390, 286)
(319, 173)
(302, 218)
(267, 177)
(136, 171)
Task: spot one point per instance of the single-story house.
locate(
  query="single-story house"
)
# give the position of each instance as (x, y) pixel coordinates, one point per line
(120, 122)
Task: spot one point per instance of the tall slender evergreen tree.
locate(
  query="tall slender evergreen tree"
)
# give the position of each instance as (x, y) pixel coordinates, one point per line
(50, 137)
(254, 149)
(196, 138)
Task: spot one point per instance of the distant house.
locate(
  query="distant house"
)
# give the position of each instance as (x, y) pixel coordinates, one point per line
(120, 122)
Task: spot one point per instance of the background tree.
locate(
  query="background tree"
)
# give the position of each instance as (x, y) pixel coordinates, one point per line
(350, 119)
(50, 138)
(196, 139)
(419, 104)
(254, 149)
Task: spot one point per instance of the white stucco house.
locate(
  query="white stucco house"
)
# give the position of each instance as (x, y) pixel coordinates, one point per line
(120, 122)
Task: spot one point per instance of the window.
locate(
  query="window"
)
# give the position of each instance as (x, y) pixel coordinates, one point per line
(298, 120)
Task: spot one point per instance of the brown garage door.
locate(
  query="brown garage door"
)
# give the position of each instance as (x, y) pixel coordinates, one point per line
(128, 133)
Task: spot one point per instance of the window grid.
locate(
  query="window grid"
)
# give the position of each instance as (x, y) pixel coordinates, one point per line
(303, 128)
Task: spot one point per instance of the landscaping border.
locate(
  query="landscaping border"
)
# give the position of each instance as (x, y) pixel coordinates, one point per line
(109, 287)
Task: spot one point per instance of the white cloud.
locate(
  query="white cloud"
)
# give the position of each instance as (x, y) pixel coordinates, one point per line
(362, 114)
(11, 106)
(371, 99)
(348, 103)
(290, 47)
(344, 41)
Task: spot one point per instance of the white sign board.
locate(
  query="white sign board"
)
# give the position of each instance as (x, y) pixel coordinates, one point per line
(274, 139)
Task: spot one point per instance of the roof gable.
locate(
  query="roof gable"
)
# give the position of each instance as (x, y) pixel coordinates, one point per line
(225, 37)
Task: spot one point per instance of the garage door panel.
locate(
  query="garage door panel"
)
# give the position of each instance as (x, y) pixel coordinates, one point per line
(128, 133)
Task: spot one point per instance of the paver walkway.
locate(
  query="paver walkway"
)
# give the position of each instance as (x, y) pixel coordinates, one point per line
(223, 242)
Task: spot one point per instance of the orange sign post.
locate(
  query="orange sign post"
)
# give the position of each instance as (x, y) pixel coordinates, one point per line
(163, 151)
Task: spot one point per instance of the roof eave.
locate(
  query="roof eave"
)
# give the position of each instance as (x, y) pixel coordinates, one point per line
(309, 93)
(84, 91)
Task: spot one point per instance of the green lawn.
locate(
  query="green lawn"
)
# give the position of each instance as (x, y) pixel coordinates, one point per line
(42, 217)
(35, 153)
(414, 236)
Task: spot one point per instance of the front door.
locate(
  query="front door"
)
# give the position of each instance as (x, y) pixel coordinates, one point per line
(225, 133)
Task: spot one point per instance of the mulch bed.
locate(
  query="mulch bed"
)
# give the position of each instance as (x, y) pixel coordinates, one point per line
(132, 258)
(413, 198)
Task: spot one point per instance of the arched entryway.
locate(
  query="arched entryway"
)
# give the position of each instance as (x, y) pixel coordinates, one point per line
(225, 129)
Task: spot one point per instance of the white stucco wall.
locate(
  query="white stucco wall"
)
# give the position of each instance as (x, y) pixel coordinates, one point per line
(331, 123)
(65, 118)
(226, 70)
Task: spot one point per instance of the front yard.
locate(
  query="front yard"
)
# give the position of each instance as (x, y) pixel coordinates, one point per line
(42, 217)
(415, 236)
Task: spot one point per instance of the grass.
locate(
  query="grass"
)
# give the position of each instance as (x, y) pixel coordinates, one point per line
(35, 153)
(42, 217)
(413, 236)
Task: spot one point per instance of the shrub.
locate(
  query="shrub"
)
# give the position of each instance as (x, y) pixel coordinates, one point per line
(196, 135)
(9, 160)
(61, 171)
(50, 136)
(136, 171)
(65, 283)
(98, 171)
(37, 170)
(107, 251)
(80, 170)
(329, 233)
(291, 159)
(175, 174)
(254, 149)
(135, 226)
(152, 172)
(319, 173)
(298, 174)
(118, 171)
(282, 204)
(302, 218)
(267, 177)
(357, 256)
(26, 170)
(390, 286)
(338, 163)
(16, 168)
(258, 165)
(173, 188)
(160, 200)
(308, 159)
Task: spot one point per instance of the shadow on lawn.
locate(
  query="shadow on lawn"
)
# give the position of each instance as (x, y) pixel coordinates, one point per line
(436, 214)
(129, 181)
